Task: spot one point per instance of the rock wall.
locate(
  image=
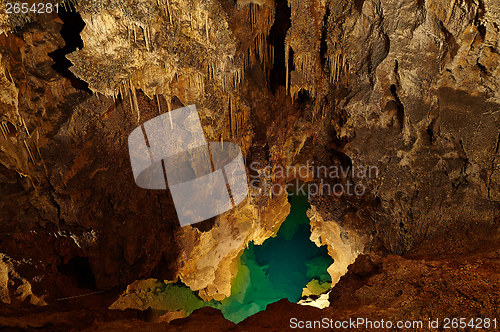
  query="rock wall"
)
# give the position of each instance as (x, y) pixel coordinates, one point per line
(410, 87)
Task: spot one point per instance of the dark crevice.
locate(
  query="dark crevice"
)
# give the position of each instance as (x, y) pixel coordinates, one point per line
(482, 31)
(498, 144)
(80, 271)
(482, 68)
(358, 5)
(450, 41)
(430, 132)
(480, 12)
(277, 34)
(228, 6)
(11, 129)
(205, 225)
(421, 4)
(334, 149)
(303, 96)
(73, 25)
(344, 160)
(399, 106)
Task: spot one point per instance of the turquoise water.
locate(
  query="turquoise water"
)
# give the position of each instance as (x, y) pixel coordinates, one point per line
(279, 268)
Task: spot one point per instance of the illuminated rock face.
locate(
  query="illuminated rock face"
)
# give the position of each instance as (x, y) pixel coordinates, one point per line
(411, 88)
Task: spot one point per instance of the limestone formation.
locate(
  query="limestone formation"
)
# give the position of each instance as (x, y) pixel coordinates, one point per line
(410, 88)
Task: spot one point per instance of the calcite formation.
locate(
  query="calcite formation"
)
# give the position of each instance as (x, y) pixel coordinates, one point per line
(409, 87)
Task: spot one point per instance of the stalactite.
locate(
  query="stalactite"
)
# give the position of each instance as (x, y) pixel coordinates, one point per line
(38, 150)
(149, 38)
(287, 54)
(230, 117)
(169, 104)
(3, 130)
(158, 102)
(136, 104)
(24, 124)
(169, 12)
(130, 98)
(145, 33)
(337, 69)
(169, 108)
(10, 76)
(252, 15)
(206, 26)
(340, 67)
(29, 152)
(344, 67)
(120, 91)
(331, 67)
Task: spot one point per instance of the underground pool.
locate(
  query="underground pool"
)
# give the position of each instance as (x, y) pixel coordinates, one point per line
(279, 268)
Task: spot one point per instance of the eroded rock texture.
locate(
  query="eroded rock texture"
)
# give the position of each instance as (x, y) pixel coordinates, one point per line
(411, 87)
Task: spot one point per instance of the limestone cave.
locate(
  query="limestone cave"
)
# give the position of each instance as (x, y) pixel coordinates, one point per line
(249, 165)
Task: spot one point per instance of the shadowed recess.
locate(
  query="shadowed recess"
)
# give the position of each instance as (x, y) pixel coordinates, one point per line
(73, 25)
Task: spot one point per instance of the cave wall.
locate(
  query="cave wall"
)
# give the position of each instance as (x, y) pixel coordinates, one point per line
(408, 86)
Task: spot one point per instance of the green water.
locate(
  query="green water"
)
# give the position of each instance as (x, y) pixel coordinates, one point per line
(279, 268)
(177, 296)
